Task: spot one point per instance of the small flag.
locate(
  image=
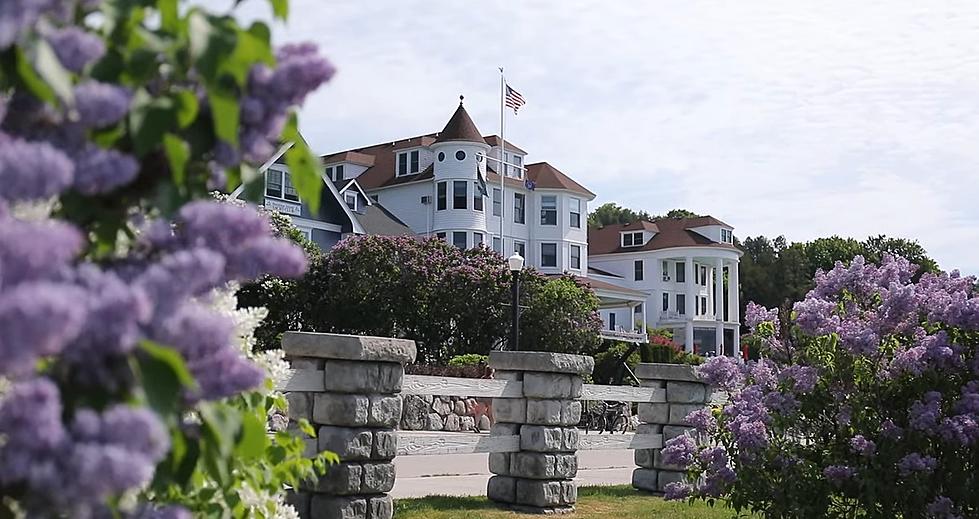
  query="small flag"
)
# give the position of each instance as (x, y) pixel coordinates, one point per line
(530, 184)
(481, 175)
(514, 99)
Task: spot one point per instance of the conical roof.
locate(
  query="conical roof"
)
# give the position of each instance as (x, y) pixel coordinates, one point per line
(460, 128)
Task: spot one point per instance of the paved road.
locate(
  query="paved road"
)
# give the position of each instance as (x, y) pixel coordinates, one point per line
(466, 474)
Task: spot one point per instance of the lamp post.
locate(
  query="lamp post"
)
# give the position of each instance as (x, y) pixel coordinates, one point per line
(515, 263)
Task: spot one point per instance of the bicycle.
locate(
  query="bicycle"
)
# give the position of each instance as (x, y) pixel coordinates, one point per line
(608, 417)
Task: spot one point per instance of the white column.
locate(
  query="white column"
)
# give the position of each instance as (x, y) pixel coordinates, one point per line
(645, 329)
(734, 308)
(691, 295)
(718, 300)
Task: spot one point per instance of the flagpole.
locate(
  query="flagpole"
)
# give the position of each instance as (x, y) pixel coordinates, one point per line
(502, 168)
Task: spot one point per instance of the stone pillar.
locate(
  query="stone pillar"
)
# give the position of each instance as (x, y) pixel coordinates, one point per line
(685, 392)
(538, 478)
(348, 387)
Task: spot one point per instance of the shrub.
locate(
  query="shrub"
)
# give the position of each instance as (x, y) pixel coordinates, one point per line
(867, 407)
(664, 350)
(608, 365)
(464, 371)
(469, 359)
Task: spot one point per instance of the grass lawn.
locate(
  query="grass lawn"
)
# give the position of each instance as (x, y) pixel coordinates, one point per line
(593, 503)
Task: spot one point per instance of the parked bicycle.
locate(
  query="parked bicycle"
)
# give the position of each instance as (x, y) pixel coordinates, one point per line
(611, 417)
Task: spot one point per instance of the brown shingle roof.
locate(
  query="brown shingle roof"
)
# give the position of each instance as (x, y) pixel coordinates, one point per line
(494, 140)
(672, 233)
(545, 175)
(460, 128)
(353, 157)
(381, 173)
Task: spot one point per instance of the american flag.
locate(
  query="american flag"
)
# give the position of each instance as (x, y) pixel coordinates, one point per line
(514, 99)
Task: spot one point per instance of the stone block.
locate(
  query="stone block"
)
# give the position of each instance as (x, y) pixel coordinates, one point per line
(312, 447)
(672, 431)
(380, 507)
(501, 374)
(499, 463)
(348, 347)
(538, 438)
(305, 363)
(536, 465)
(651, 371)
(385, 411)
(385, 446)
(679, 412)
(654, 413)
(484, 423)
(414, 414)
(340, 409)
(686, 392)
(553, 412)
(541, 361)
(646, 479)
(441, 407)
(349, 444)
(512, 410)
(349, 376)
(658, 462)
(299, 501)
(342, 479)
(551, 385)
(459, 407)
(299, 405)
(546, 494)
(434, 422)
(467, 423)
(655, 384)
(378, 478)
(645, 458)
(331, 507)
(502, 489)
(505, 429)
(668, 476)
(452, 423)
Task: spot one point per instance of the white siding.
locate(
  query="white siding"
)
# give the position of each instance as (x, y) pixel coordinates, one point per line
(405, 203)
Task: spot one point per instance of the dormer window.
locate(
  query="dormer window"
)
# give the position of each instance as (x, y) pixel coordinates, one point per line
(351, 199)
(632, 239)
(279, 185)
(335, 173)
(408, 163)
(727, 236)
(514, 165)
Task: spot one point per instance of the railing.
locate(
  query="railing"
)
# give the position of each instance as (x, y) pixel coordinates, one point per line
(618, 335)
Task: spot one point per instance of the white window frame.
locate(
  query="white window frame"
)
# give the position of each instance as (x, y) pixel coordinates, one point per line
(681, 309)
(632, 236)
(281, 183)
(477, 239)
(408, 163)
(465, 194)
(551, 211)
(638, 270)
(523, 209)
(288, 188)
(666, 271)
(497, 245)
(571, 260)
(574, 210)
(557, 255)
(346, 199)
(465, 239)
(497, 201)
(307, 233)
(520, 248)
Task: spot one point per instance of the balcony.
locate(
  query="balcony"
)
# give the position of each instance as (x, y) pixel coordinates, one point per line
(622, 335)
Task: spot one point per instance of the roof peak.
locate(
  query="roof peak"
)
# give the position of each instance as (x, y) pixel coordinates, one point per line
(460, 127)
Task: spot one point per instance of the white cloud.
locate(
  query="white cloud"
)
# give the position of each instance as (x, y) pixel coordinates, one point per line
(795, 118)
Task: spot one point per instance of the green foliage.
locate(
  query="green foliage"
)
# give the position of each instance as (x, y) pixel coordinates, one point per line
(468, 359)
(612, 213)
(608, 363)
(561, 316)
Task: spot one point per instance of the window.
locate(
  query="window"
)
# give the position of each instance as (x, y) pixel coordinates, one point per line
(681, 304)
(477, 239)
(440, 235)
(273, 183)
(520, 248)
(441, 156)
(637, 268)
(727, 236)
(666, 301)
(440, 196)
(459, 239)
(703, 306)
(497, 202)
(289, 190)
(666, 271)
(351, 200)
(611, 321)
(335, 173)
(497, 246)
(519, 201)
(703, 275)
(681, 272)
(307, 233)
(477, 198)
(632, 239)
(576, 213)
(517, 162)
(548, 210)
(548, 254)
(576, 257)
(459, 194)
(408, 163)
(460, 155)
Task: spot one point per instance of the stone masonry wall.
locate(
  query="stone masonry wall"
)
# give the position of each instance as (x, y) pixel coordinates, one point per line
(444, 413)
(685, 392)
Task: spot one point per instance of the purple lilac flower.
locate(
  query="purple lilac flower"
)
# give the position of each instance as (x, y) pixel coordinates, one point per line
(839, 473)
(925, 413)
(750, 436)
(76, 48)
(30, 422)
(220, 227)
(677, 490)
(101, 104)
(890, 430)
(32, 170)
(915, 462)
(722, 372)
(960, 429)
(37, 319)
(18, 16)
(803, 378)
(858, 337)
(276, 256)
(35, 250)
(166, 512)
(943, 508)
(762, 372)
(99, 170)
(968, 402)
(845, 415)
(862, 446)
(180, 275)
(756, 314)
(680, 451)
(816, 316)
(701, 419)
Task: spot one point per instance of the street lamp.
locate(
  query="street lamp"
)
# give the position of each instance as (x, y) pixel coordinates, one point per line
(515, 263)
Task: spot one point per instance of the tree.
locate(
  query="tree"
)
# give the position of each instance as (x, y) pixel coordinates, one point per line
(612, 213)
(560, 316)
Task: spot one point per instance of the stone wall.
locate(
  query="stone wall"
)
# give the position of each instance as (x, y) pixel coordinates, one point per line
(444, 413)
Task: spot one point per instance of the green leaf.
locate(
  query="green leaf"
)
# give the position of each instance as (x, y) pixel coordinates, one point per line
(164, 377)
(212, 41)
(225, 113)
(303, 166)
(251, 47)
(169, 16)
(280, 8)
(187, 107)
(16, 65)
(253, 439)
(49, 68)
(149, 119)
(178, 152)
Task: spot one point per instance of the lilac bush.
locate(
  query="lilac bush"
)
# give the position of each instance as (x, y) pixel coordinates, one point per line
(124, 391)
(866, 406)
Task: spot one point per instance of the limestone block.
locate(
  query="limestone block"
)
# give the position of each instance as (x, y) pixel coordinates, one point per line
(654, 413)
(551, 385)
(434, 422)
(682, 372)
(385, 446)
(380, 507)
(679, 412)
(546, 493)
(385, 411)
(340, 409)
(331, 507)
(299, 405)
(459, 407)
(538, 438)
(505, 429)
(347, 443)
(646, 479)
(502, 489)
(672, 431)
(499, 463)
(645, 458)
(452, 423)
(305, 363)
(668, 476)
(312, 447)
(299, 501)
(414, 415)
(535, 465)
(441, 407)
(512, 410)
(348, 347)
(541, 361)
(470, 407)
(484, 423)
(502, 374)
(378, 478)
(553, 412)
(348, 376)
(466, 423)
(660, 464)
(686, 392)
(650, 428)
(342, 479)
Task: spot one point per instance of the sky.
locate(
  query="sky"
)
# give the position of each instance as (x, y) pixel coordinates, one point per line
(803, 118)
